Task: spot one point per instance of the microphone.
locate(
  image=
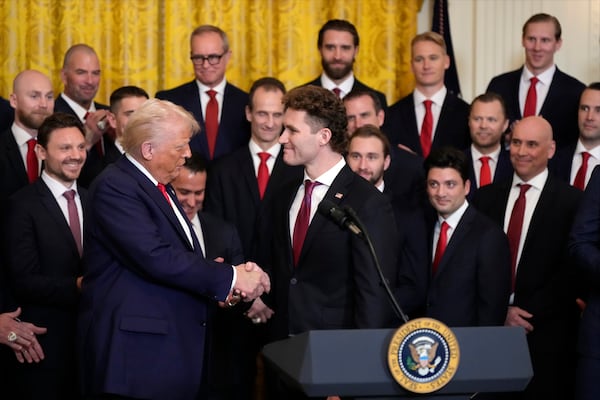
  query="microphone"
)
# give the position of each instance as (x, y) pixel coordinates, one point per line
(347, 218)
(339, 216)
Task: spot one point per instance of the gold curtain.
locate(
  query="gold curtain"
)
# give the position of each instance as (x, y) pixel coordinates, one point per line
(146, 42)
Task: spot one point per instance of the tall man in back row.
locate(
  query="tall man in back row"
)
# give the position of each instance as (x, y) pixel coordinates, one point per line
(217, 105)
(338, 45)
(539, 87)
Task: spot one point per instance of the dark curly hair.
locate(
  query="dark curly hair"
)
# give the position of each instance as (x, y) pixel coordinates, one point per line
(323, 110)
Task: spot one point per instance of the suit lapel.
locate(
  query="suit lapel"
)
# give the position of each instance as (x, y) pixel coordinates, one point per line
(246, 168)
(410, 117)
(460, 231)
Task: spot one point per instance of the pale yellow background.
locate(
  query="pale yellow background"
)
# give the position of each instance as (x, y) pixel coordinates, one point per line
(146, 43)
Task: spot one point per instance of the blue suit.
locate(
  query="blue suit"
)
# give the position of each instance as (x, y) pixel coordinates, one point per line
(234, 129)
(584, 246)
(146, 292)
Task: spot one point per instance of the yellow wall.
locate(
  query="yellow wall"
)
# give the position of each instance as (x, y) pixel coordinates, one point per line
(146, 43)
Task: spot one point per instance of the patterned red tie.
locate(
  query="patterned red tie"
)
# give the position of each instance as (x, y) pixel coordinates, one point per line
(302, 220)
(32, 161)
(74, 219)
(263, 173)
(211, 122)
(427, 128)
(337, 92)
(531, 100)
(485, 174)
(579, 181)
(440, 248)
(163, 190)
(515, 226)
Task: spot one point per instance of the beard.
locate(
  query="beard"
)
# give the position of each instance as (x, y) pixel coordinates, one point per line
(32, 120)
(336, 73)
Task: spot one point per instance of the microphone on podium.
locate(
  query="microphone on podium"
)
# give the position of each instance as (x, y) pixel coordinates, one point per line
(347, 218)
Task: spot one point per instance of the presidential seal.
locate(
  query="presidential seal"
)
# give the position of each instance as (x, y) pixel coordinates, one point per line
(423, 355)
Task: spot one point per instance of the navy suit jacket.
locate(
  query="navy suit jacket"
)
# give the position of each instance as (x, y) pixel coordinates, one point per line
(452, 128)
(472, 284)
(544, 283)
(232, 194)
(95, 163)
(233, 130)
(504, 170)
(146, 292)
(584, 246)
(7, 114)
(335, 284)
(44, 263)
(358, 85)
(560, 108)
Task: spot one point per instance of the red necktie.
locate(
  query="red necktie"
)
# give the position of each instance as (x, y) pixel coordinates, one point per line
(440, 248)
(579, 181)
(211, 122)
(302, 220)
(515, 226)
(32, 161)
(74, 219)
(531, 100)
(263, 173)
(163, 190)
(337, 92)
(485, 174)
(98, 145)
(427, 128)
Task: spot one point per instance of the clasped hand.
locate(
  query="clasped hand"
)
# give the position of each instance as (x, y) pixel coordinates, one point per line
(251, 281)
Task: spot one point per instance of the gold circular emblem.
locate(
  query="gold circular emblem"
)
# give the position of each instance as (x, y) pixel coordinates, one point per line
(423, 355)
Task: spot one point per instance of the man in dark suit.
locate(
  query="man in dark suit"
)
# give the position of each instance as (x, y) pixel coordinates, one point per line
(431, 116)
(236, 193)
(338, 45)
(575, 163)
(33, 101)
(218, 240)
(43, 248)
(488, 160)
(556, 93)
(543, 294)
(404, 173)
(369, 156)
(147, 284)
(80, 75)
(323, 275)
(217, 105)
(123, 102)
(584, 248)
(7, 114)
(469, 280)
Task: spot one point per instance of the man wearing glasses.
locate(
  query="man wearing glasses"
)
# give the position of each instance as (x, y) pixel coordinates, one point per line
(217, 105)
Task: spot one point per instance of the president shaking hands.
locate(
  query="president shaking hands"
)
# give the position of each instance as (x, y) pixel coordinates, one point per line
(147, 286)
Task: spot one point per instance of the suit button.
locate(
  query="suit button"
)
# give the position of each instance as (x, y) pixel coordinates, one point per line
(293, 281)
(204, 323)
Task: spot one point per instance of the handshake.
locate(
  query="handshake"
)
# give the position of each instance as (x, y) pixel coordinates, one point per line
(251, 282)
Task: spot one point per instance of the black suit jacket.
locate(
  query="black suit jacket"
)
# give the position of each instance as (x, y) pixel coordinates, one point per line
(7, 114)
(405, 180)
(559, 108)
(358, 85)
(452, 129)
(233, 130)
(232, 194)
(472, 284)
(504, 170)
(560, 165)
(544, 283)
(335, 284)
(95, 163)
(13, 173)
(44, 264)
